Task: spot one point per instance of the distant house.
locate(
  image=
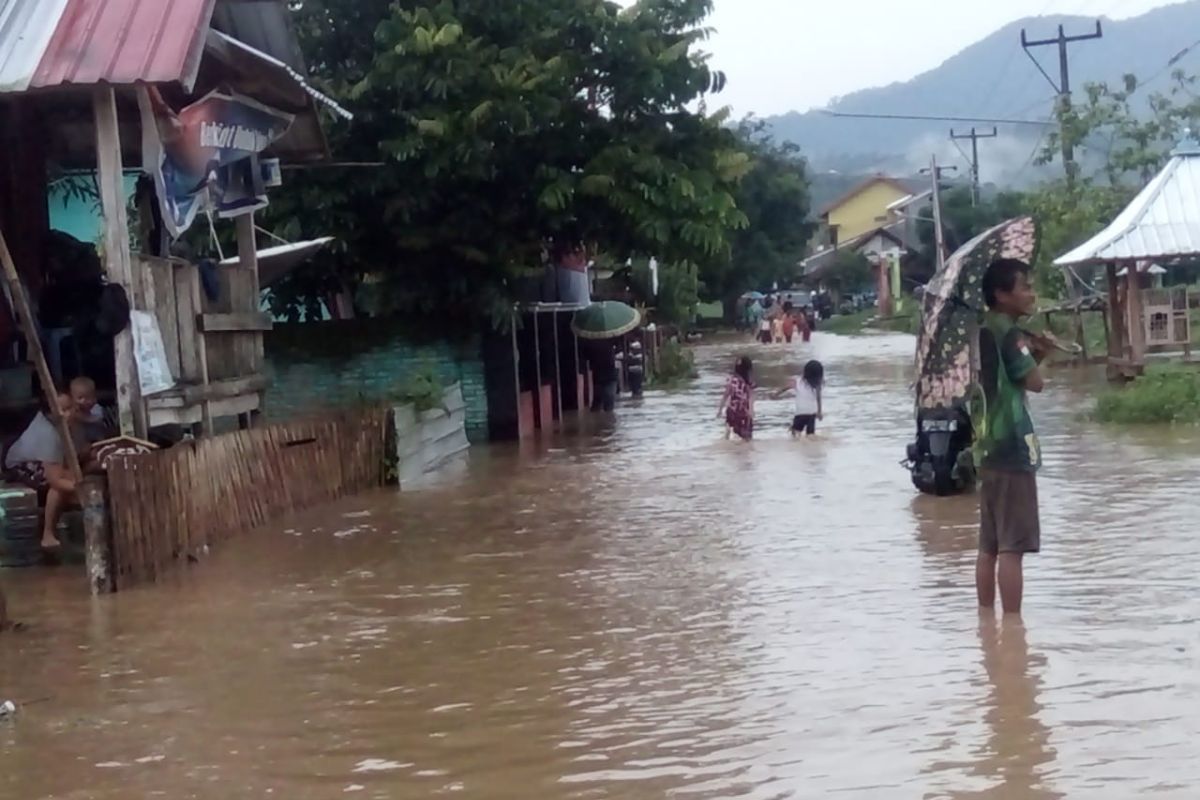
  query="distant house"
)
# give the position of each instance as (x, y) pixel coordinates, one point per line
(878, 218)
(867, 207)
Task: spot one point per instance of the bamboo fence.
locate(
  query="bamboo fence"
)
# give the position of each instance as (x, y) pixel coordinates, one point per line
(173, 504)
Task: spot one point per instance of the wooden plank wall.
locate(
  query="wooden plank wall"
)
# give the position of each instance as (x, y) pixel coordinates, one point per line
(234, 354)
(170, 505)
(173, 293)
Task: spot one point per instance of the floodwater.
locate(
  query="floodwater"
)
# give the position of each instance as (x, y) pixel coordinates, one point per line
(643, 610)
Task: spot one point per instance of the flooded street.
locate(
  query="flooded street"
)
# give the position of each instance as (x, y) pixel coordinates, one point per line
(645, 610)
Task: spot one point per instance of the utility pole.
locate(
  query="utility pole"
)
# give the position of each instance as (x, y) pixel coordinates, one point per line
(939, 236)
(1063, 87)
(974, 136)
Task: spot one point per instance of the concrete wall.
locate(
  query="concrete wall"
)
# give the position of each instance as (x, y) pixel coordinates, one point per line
(320, 365)
(426, 441)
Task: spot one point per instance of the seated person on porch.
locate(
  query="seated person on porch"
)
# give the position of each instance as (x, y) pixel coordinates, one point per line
(38, 460)
(90, 420)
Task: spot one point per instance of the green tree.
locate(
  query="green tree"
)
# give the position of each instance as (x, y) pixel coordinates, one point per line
(851, 272)
(775, 199)
(503, 128)
(962, 220)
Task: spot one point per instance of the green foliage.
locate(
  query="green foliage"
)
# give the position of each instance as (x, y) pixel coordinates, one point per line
(774, 196)
(1134, 145)
(1162, 395)
(963, 220)
(1068, 216)
(503, 128)
(852, 272)
(422, 389)
(676, 365)
(1111, 121)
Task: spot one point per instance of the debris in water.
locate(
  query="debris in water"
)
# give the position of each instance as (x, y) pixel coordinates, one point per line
(379, 765)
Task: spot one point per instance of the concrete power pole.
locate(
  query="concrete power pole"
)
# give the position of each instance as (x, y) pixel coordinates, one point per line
(974, 136)
(939, 233)
(1063, 87)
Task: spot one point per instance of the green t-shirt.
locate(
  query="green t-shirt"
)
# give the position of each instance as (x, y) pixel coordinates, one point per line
(1005, 440)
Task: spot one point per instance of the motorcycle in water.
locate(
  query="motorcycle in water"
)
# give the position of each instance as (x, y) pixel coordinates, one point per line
(940, 460)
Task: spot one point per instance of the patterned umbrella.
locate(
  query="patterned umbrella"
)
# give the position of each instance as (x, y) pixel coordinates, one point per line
(606, 320)
(953, 306)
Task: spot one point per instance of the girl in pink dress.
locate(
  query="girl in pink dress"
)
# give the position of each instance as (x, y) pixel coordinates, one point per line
(737, 404)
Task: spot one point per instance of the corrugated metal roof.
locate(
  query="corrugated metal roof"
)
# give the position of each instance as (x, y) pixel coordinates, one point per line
(227, 46)
(25, 29)
(1162, 222)
(265, 25)
(47, 43)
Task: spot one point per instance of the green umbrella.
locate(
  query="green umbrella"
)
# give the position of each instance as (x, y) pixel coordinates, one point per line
(606, 320)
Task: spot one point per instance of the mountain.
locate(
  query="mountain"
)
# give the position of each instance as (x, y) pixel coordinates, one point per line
(991, 78)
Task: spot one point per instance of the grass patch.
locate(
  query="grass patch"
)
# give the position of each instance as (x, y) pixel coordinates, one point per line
(676, 366)
(1165, 394)
(906, 320)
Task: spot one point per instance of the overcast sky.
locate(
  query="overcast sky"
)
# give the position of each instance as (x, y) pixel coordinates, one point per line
(785, 55)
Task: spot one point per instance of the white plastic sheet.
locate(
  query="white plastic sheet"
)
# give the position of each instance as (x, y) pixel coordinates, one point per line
(154, 371)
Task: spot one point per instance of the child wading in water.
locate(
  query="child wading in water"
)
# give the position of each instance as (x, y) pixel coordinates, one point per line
(737, 404)
(808, 388)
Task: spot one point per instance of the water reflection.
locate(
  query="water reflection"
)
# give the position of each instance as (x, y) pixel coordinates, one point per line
(1017, 753)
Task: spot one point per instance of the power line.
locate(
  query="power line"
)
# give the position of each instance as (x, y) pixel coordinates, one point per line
(974, 136)
(1063, 87)
(936, 118)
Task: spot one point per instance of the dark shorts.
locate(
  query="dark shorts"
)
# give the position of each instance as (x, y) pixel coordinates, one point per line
(1008, 512)
(804, 423)
(29, 473)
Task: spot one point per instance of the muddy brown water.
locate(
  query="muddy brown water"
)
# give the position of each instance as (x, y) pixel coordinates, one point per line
(642, 610)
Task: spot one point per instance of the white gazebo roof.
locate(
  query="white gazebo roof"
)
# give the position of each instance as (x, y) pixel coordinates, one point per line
(1161, 223)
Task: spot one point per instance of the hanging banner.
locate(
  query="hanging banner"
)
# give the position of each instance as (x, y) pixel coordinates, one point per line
(187, 151)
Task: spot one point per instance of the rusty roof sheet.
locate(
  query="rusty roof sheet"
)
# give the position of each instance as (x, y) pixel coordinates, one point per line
(1162, 222)
(48, 43)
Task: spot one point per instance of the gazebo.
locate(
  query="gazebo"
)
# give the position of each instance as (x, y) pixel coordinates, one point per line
(1159, 226)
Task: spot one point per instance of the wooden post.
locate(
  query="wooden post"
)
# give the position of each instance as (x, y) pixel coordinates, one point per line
(582, 400)
(248, 260)
(514, 320)
(557, 368)
(20, 301)
(97, 535)
(1080, 335)
(537, 366)
(118, 260)
(1137, 327)
(1107, 333)
(1116, 337)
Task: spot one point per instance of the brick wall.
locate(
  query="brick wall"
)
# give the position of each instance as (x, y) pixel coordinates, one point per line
(336, 364)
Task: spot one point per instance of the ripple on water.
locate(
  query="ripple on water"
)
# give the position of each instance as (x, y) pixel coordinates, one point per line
(644, 610)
